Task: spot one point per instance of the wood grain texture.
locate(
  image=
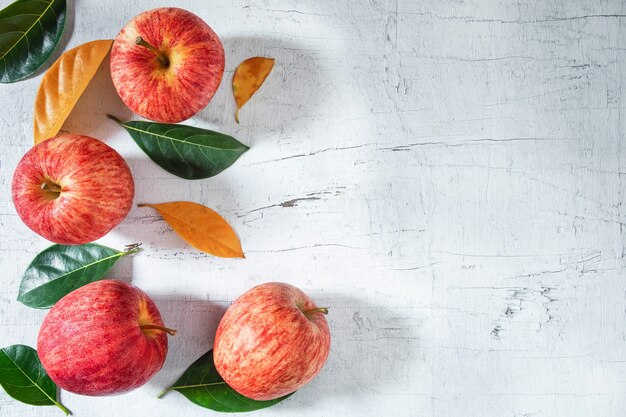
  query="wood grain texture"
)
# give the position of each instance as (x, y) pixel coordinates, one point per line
(447, 175)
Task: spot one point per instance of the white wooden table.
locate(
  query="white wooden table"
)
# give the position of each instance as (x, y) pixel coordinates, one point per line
(447, 175)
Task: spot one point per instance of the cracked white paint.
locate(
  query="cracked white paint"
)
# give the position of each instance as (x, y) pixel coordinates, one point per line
(447, 175)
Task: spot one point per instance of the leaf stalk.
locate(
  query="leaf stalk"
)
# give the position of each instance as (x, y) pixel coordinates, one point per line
(63, 408)
(115, 119)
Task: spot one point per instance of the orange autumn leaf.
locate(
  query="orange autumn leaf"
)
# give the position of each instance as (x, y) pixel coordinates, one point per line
(248, 78)
(201, 227)
(63, 84)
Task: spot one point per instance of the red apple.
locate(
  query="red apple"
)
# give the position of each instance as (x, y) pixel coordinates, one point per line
(271, 341)
(72, 189)
(104, 338)
(167, 64)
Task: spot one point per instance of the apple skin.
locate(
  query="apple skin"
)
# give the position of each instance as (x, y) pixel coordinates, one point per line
(96, 185)
(265, 347)
(174, 92)
(90, 342)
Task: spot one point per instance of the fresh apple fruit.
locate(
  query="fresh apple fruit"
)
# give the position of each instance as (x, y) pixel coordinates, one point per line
(166, 64)
(101, 339)
(271, 341)
(72, 189)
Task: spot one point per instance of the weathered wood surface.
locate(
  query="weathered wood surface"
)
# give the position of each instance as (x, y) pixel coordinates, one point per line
(448, 176)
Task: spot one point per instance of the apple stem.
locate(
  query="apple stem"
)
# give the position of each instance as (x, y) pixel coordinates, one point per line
(159, 55)
(169, 331)
(310, 312)
(51, 187)
(132, 248)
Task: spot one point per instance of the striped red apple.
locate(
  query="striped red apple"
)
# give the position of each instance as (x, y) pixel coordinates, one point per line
(101, 339)
(72, 189)
(166, 64)
(271, 341)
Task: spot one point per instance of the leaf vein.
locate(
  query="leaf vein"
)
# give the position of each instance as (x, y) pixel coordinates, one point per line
(177, 140)
(29, 29)
(27, 377)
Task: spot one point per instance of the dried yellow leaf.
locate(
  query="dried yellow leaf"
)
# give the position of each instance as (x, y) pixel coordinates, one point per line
(248, 78)
(63, 84)
(201, 227)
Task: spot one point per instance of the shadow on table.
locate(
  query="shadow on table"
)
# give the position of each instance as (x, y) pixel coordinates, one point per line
(154, 185)
(68, 31)
(369, 346)
(89, 116)
(288, 98)
(364, 357)
(196, 321)
(282, 106)
(362, 360)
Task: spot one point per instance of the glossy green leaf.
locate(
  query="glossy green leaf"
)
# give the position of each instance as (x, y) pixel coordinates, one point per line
(185, 151)
(202, 385)
(61, 269)
(22, 376)
(29, 32)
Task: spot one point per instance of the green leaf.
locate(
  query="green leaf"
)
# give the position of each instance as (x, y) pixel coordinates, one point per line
(22, 376)
(202, 385)
(61, 269)
(29, 32)
(185, 151)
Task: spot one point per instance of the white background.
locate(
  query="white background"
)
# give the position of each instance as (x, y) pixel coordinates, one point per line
(447, 176)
